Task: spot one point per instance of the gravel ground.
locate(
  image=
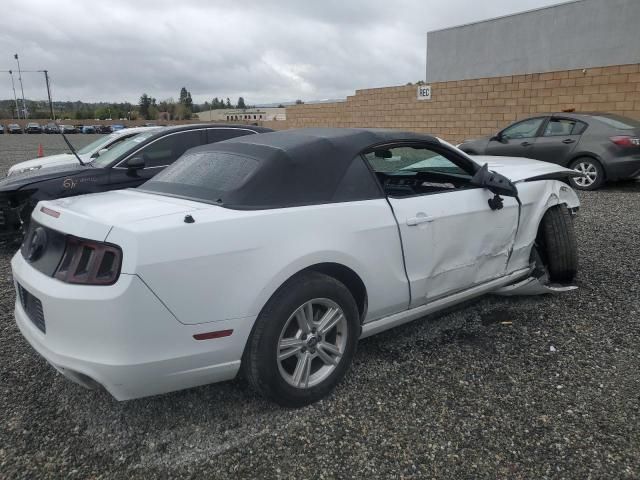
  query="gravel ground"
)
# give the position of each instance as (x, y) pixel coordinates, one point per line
(544, 387)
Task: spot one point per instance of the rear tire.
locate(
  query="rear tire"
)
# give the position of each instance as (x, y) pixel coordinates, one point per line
(303, 341)
(557, 241)
(593, 171)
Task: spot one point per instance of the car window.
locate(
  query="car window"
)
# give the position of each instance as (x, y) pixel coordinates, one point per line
(525, 129)
(401, 160)
(166, 150)
(220, 134)
(579, 128)
(94, 145)
(207, 176)
(619, 123)
(114, 153)
(409, 171)
(559, 127)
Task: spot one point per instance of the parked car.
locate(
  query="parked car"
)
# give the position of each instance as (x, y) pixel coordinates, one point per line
(103, 129)
(128, 164)
(116, 126)
(273, 254)
(51, 128)
(87, 153)
(88, 129)
(33, 127)
(601, 146)
(1, 129)
(68, 129)
(14, 128)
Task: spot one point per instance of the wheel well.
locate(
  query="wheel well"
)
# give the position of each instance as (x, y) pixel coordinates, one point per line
(349, 279)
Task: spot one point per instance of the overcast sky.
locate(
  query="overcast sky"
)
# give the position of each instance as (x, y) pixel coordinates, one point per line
(263, 50)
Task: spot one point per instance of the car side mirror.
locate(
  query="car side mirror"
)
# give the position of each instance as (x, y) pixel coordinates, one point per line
(496, 183)
(136, 163)
(497, 138)
(99, 152)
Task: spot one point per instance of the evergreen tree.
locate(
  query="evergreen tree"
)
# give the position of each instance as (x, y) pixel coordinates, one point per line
(241, 103)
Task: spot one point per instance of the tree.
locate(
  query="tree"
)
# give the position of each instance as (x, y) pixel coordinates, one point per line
(168, 105)
(241, 103)
(185, 98)
(299, 102)
(228, 104)
(145, 104)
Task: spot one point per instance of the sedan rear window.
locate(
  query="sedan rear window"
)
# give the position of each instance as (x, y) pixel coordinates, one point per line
(620, 123)
(204, 176)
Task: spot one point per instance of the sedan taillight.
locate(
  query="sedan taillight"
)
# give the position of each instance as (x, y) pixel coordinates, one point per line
(626, 141)
(89, 263)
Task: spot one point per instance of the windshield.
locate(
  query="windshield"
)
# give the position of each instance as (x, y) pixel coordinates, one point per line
(95, 145)
(403, 160)
(129, 144)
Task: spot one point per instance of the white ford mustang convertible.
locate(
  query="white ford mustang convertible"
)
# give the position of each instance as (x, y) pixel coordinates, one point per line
(272, 254)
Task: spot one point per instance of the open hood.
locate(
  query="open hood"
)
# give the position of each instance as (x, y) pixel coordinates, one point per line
(519, 169)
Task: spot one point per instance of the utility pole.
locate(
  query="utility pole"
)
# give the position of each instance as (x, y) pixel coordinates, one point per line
(15, 97)
(24, 105)
(46, 79)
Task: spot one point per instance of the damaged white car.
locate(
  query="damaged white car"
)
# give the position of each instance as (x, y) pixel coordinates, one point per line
(272, 254)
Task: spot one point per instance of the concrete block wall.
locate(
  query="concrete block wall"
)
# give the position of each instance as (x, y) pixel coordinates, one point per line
(470, 108)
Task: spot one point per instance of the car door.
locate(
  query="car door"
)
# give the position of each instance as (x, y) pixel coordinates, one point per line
(559, 138)
(157, 155)
(451, 238)
(516, 140)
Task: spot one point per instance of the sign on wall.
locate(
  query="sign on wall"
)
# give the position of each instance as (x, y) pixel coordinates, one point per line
(424, 92)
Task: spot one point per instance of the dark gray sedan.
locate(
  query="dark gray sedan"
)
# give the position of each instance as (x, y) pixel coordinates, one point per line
(601, 146)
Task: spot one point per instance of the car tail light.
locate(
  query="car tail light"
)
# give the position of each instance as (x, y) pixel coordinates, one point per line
(626, 141)
(90, 263)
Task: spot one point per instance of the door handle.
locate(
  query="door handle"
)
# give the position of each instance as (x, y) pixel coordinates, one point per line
(419, 219)
(568, 141)
(526, 144)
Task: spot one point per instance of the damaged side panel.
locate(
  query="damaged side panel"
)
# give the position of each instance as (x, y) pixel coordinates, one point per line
(453, 241)
(537, 198)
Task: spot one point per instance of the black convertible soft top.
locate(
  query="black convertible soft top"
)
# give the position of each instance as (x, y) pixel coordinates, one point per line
(287, 168)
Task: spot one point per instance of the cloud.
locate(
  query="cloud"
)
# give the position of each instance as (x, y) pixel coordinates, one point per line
(265, 51)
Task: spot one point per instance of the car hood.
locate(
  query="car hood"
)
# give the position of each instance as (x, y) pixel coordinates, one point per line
(518, 169)
(21, 180)
(46, 162)
(92, 216)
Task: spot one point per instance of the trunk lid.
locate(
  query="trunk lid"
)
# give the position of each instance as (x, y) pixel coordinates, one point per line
(93, 216)
(518, 169)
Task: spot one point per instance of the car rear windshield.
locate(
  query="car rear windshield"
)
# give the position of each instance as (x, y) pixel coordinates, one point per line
(204, 176)
(619, 123)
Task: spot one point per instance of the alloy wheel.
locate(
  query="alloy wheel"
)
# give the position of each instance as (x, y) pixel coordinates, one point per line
(312, 343)
(589, 172)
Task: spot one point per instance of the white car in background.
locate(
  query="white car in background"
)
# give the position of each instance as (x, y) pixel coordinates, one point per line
(87, 153)
(274, 253)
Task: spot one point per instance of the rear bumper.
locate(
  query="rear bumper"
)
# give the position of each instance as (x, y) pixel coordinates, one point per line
(622, 168)
(123, 338)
